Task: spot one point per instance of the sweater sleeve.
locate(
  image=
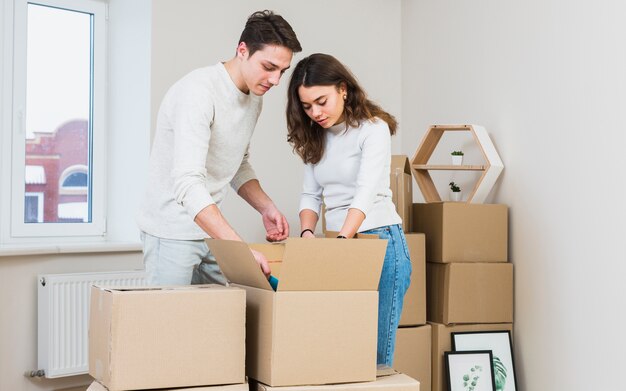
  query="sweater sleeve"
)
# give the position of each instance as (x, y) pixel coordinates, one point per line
(375, 145)
(191, 122)
(311, 191)
(244, 173)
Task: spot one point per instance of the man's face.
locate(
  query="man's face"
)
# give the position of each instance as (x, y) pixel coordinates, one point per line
(262, 70)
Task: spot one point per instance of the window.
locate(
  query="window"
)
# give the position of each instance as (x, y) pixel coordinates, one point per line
(33, 208)
(74, 180)
(58, 119)
(71, 212)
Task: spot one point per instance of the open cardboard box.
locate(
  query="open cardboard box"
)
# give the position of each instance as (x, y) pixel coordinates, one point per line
(320, 326)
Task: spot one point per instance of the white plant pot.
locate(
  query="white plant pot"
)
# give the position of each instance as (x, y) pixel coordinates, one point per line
(457, 160)
(455, 196)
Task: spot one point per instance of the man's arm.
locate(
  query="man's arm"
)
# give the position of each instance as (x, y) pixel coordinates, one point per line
(275, 222)
(211, 220)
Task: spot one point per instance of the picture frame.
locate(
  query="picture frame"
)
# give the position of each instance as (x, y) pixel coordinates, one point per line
(501, 345)
(469, 370)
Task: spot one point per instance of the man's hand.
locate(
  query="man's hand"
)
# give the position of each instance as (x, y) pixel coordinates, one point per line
(275, 223)
(276, 226)
(262, 261)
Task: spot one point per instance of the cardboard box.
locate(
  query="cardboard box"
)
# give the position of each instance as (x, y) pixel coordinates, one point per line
(414, 309)
(460, 232)
(401, 185)
(95, 386)
(469, 292)
(393, 382)
(320, 326)
(442, 342)
(162, 337)
(413, 353)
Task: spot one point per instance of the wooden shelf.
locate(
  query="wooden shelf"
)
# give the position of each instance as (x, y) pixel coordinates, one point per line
(490, 171)
(448, 167)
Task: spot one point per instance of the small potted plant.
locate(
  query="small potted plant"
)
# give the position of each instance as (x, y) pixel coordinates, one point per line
(455, 192)
(457, 158)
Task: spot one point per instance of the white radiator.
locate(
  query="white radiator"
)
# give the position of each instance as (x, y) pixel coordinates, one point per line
(63, 318)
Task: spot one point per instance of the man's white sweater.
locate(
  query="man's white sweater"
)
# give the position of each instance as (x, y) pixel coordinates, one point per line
(200, 146)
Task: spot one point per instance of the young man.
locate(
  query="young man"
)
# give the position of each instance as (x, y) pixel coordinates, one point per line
(201, 143)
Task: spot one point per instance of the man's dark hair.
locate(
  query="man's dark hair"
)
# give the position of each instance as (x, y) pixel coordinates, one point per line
(267, 28)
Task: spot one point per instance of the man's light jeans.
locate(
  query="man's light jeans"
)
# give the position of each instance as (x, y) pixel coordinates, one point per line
(179, 262)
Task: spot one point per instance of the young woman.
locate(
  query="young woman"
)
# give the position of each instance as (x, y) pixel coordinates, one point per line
(345, 141)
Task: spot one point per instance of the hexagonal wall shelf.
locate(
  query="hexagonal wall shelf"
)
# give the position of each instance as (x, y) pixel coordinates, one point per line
(490, 171)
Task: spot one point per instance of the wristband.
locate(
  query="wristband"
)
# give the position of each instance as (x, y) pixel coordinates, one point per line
(304, 230)
(341, 237)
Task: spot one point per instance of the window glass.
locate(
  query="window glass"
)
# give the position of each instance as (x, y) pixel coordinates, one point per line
(58, 115)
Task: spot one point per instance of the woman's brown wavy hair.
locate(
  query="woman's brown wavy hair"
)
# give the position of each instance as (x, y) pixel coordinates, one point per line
(307, 136)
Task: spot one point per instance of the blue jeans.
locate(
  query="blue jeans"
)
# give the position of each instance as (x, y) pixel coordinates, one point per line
(394, 282)
(179, 262)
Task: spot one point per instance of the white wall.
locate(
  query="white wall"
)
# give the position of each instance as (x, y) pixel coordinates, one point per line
(547, 80)
(129, 120)
(364, 34)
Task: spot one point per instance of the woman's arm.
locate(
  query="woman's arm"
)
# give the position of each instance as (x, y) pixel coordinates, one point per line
(310, 202)
(353, 221)
(308, 220)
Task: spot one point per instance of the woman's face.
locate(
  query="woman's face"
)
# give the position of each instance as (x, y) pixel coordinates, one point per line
(323, 104)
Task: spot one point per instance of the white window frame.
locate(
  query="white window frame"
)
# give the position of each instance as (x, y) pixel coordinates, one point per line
(96, 229)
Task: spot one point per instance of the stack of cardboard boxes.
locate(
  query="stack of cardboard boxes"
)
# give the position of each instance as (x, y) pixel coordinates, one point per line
(413, 338)
(469, 281)
(465, 285)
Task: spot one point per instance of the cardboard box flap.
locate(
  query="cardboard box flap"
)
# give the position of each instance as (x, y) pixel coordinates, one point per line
(332, 264)
(401, 162)
(237, 263)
